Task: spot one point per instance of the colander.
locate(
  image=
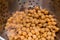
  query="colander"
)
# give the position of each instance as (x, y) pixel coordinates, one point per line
(7, 7)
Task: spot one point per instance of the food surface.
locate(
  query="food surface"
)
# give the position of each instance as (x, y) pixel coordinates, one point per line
(31, 24)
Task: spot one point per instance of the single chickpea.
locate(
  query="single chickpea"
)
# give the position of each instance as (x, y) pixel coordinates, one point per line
(47, 19)
(43, 38)
(32, 31)
(20, 32)
(39, 14)
(37, 8)
(27, 20)
(49, 33)
(15, 37)
(44, 25)
(36, 15)
(33, 25)
(42, 30)
(48, 37)
(53, 20)
(39, 36)
(52, 38)
(47, 16)
(50, 16)
(45, 34)
(43, 17)
(46, 12)
(53, 34)
(25, 39)
(29, 38)
(40, 25)
(31, 11)
(54, 23)
(42, 21)
(43, 10)
(34, 36)
(36, 39)
(37, 33)
(28, 25)
(27, 30)
(49, 23)
(22, 37)
(29, 14)
(29, 34)
(46, 29)
(24, 33)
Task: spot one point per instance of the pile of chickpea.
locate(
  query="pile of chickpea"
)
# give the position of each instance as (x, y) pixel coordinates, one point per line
(31, 24)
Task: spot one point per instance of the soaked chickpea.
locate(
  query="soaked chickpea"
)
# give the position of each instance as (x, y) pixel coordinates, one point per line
(32, 24)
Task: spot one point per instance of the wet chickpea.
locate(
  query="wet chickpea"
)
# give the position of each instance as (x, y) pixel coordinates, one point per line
(32, 24)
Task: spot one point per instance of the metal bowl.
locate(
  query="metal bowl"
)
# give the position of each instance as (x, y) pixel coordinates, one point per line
(50, 5)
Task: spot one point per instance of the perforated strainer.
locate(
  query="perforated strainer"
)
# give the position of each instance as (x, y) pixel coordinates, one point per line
(9, 6)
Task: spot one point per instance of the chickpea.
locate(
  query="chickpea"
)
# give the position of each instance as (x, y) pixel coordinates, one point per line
(27, 30)
(25, 39)
(54, 23)
(47, 16)
(29, 38)
(32, 31)
(42, 21)
(37, 8)
(37, 33)
(46, 12)
(44, 35)
(43, 39)
(24, 33)
(29, 34)
(53, 34)
(38, 36)
(40, 25)
(48, 37)
(31, 11)
(19, 32)
(50, 16)
(22, 37)
(34, 36)
(43, 17)
(49, 33)
(42, 30)
(28, 25)
(36, 39)
(52, 38)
